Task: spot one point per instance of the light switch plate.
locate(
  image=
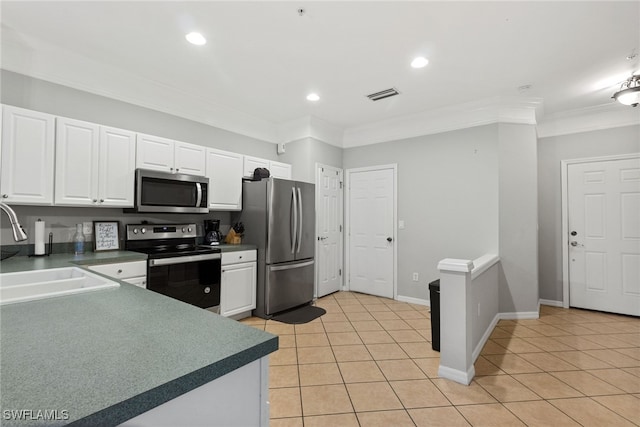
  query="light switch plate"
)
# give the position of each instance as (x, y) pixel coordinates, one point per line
(401, 224)
(87, 228)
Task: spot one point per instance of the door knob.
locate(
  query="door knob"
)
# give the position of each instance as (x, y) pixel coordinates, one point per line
(574, 233)
(574, 244)
(389, 239)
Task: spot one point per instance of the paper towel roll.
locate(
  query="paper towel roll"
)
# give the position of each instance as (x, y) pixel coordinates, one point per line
(39, 238)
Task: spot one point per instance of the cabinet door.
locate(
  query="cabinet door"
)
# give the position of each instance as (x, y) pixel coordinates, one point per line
(76, 163)
(280, 170)
(117, 167)
(154, 152)
(190, 158)
(224, 170)
(251, 163)
(27, 157)
(238, 288)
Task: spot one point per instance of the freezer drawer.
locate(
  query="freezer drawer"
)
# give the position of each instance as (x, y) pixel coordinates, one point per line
(288, 285)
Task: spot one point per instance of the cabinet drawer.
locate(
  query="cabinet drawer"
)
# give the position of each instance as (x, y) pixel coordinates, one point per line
(239, 256)
(123, 270)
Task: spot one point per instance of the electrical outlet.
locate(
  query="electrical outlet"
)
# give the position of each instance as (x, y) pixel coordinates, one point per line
(401, 224)
(415, 277)
(87, 228)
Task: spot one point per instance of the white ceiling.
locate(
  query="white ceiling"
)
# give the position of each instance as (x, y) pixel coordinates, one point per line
(262, 58)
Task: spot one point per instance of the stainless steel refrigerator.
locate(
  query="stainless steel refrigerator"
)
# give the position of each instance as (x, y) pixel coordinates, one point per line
(279, 217)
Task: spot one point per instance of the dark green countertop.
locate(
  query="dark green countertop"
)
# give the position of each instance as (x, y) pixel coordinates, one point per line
(107, 356)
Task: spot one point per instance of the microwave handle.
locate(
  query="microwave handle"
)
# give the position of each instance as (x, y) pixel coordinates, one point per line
(198, 194)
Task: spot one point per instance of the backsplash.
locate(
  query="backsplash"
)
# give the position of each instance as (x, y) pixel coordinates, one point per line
(61, 221)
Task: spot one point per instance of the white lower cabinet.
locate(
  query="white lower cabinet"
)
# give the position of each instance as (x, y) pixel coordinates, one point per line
(238, 284)
(134, 272)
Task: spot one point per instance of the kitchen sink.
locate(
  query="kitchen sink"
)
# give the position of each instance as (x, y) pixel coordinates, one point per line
(33, 285)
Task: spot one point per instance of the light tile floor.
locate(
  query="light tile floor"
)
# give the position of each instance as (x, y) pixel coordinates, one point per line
(369, 362)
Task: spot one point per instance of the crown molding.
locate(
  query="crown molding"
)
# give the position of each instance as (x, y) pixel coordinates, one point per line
(461, 116)
(605, 116)
(310, 127)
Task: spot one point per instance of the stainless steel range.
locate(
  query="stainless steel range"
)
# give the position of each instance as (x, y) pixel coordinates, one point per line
(176, 265)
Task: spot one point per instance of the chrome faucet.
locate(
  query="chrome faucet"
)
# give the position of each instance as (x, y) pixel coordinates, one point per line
(18, 232)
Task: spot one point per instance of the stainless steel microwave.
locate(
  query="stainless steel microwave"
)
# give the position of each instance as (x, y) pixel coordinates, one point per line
(157, 191)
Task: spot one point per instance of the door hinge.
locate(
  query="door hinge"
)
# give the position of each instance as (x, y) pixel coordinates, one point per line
(339, 272)
(341, 185)
(341, 228)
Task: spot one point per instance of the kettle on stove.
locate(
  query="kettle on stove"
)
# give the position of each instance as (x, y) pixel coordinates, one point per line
(212, 235)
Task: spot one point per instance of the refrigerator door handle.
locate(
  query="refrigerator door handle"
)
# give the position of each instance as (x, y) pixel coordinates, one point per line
(295, 220)
(291, 266)
(299, 225)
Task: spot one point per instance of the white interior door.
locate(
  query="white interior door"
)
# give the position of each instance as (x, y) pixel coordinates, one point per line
(329, 215)
(604, 235)
(371, 237)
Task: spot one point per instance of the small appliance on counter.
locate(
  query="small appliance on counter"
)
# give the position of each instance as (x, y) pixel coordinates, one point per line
(212, 235)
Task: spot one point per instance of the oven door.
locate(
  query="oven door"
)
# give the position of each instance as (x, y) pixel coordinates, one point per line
(194, 279)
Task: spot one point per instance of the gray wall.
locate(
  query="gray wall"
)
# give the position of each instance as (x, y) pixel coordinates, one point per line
(551, 151)
(518, 213)
(306, 152)
(447, 196)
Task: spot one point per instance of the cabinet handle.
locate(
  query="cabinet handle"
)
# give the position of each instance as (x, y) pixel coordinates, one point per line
(101, 200)
(120, 271)
(177, 169)
(5, 196)
(95, 200)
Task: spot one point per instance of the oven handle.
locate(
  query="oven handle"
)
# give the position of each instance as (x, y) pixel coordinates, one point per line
(183, 259)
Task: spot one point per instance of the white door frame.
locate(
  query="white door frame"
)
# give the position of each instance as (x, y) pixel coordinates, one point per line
(564, 240)
(347, 212)
(341, 242)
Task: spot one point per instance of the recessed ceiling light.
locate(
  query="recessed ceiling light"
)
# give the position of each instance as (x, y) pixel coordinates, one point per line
(196, 38)
(419, 62)
(313, 97)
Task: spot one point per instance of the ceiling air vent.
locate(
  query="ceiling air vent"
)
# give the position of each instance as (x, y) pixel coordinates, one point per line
(383, 94)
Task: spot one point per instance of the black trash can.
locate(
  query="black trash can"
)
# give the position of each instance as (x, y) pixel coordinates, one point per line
(434, 291)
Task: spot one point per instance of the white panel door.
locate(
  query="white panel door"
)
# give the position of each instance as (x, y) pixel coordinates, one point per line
(190, 158)
(76, 163)
(154, 152)
(224, 170)
(604, 235)
(28, 141)
(329, 215)
(371, 232)
(117, 167)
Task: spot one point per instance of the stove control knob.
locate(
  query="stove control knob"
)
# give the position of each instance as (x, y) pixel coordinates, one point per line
(143, 230)
(189, 229)
(184, 229)
(135, 231)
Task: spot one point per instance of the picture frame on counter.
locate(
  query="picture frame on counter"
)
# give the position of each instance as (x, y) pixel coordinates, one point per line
(106, 236)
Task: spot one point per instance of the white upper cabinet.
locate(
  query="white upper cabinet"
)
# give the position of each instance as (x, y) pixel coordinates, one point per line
(276, 169)
(224, 170)
(280, 170)
(95, 165)
(251, 163)
(162, 154)
(190, 158)
(117, 167)
(154, 152)
(28, 139)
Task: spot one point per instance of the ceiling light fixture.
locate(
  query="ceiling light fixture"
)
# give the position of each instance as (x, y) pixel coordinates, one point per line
(629, 92)
(419, 62)
(196, 38)
(313, 97)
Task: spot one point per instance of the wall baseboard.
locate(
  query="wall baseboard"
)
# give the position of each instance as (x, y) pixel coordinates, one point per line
(552, 303)
(519, 315)
(412, 300)
(457, 375)
(485, 337)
